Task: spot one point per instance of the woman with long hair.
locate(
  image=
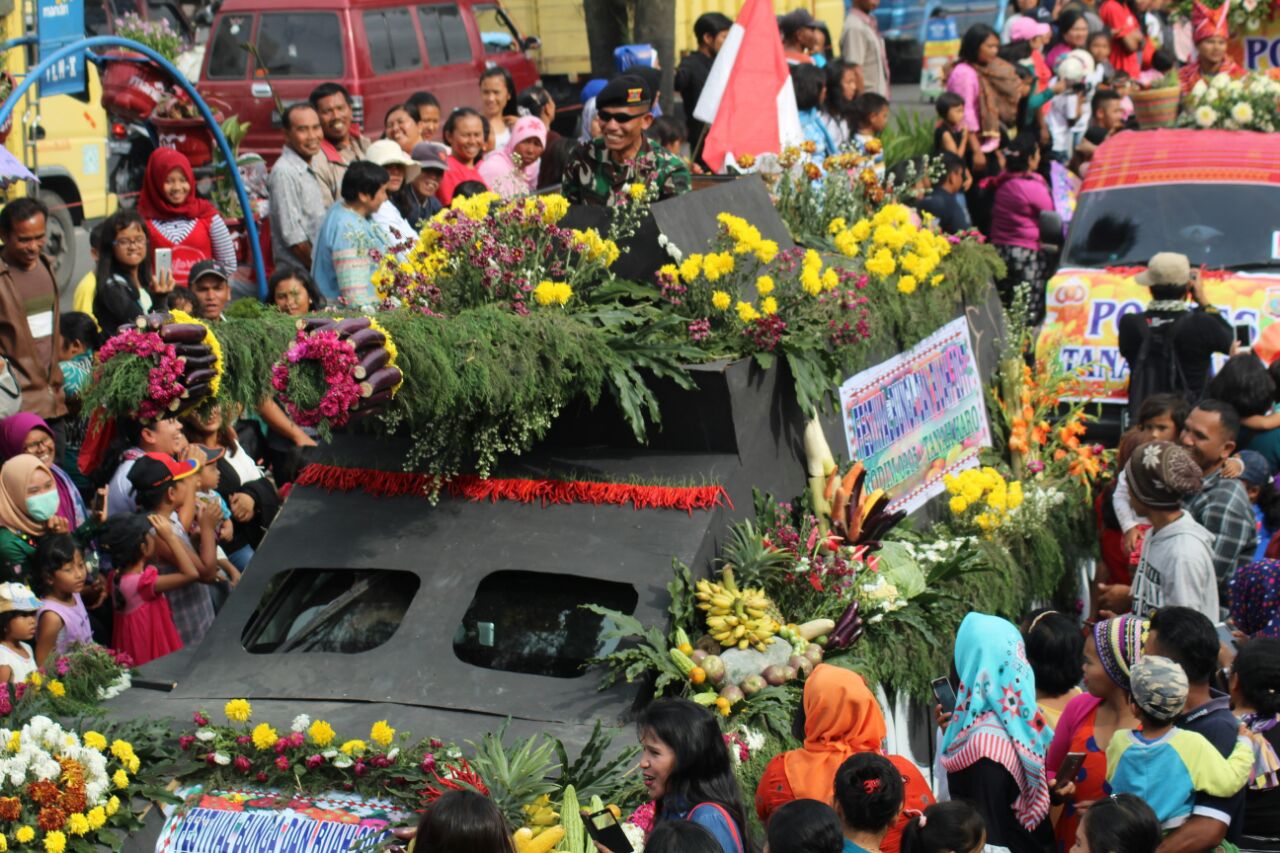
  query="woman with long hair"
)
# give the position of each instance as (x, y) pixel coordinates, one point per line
(993, 750)
(844, 84)
(465, 132)
(1073, 34)
(497, 105)
(124, 287)
(686, 771)
(990, 89)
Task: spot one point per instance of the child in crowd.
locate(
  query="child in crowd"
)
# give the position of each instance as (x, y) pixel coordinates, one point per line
(79, 341)
(181, 299)
(1165, 765)
(60, 574)
(949, 827)
(1160, 418)
(1255, 697)
(951, 136)
(463, 820)
(143, 626)
(669, 132)
(804, 826)
(1099, 47)
(868, 798)
(18, 608)
(945, 199)
(871, 117)
(1257, 481)
(1068, 114)
(810, 85)
(468, 189)
(1119, 824)
(207, 493)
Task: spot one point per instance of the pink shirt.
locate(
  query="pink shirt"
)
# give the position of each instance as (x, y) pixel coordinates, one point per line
(1015, 212)
(963, 81)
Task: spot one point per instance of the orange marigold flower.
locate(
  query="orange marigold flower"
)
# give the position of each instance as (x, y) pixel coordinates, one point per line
(874, 146)
(74, 800)
(10, 809)
(809, 146)
(812, 171)
(43, 793)
(1059, 455)
(51, 818)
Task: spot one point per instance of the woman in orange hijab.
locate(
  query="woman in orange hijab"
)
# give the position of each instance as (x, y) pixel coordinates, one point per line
(841, 718)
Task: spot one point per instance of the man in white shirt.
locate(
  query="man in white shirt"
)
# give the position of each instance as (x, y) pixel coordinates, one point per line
(299, 196)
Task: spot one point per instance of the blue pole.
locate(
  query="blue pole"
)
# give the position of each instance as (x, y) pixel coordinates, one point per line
(6, 109)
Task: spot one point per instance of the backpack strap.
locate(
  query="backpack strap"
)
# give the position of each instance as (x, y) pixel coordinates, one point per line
(728, 819)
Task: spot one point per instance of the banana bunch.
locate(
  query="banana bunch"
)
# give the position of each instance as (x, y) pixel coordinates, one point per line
(540, 816)
(737, 617)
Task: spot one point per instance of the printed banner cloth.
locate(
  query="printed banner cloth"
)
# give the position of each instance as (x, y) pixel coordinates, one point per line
(917, 416)
(261, 821)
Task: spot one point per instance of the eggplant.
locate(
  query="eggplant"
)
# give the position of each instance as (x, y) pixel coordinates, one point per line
(182, 333)
(195, 392)
(371, 362)
(382, 380)
(198, 377)
(192, 350)
(848, 627)
(366, 338)
(351, 325)
(311, 324)
(152, 321)
(199, 362)
(375, 401)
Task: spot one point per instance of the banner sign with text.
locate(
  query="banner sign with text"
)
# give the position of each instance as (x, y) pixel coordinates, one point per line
(258, 821)
(917, 416)
(61, 22)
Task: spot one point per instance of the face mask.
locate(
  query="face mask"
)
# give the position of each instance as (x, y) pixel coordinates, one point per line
(43, 507)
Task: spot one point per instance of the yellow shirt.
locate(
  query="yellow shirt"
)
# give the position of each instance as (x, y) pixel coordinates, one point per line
(85, 291)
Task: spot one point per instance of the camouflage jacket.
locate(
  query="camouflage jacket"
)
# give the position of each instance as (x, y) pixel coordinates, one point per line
(591, 177)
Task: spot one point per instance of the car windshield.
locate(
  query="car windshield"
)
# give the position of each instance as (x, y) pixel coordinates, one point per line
(1222, 226)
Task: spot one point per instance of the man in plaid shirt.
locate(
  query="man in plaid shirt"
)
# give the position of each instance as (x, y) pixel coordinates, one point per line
(1223, 506)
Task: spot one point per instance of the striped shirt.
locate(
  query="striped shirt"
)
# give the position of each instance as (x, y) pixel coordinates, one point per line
(224, 248)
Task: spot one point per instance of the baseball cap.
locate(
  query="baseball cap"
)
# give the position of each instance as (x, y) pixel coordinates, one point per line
(431, 155)
(200, 269)
(17, 598)
(629, 90)
(1168, 269)
(1159, 687)
(1257, 470)
(1025, 29)
(158, 469)
(211, 454)
(796, 20)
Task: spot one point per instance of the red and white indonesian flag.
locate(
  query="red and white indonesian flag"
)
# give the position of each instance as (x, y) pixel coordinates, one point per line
(748, 101)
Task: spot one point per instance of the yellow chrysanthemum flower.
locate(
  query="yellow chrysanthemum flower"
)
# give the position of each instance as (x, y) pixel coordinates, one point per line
(264, 737)
(97, 817)
(830, 279)
(120, 779)
(24, 835)
(554, 207)
(691, 267)
(353, 746)
(769, 305)
(321, 733)
(238, 711)
(670, 271)
(764, 285)
(55, 687)
(35, 679)
(382, 734)
(747, 312)
(637, 191)
(78, 824)
(4, 843)
(958, 504)
(766, 251)
(720, 300)
(837, 225)
(55, 842)
(907, 284)
(113, 806)
(552, 293)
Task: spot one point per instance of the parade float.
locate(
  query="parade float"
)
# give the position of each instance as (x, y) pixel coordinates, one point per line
(548, 493)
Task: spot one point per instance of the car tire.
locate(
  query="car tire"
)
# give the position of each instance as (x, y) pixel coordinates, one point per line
(60, 238)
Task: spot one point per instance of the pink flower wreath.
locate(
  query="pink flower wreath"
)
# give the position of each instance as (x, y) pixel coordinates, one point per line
(337, 361)
(164, 380)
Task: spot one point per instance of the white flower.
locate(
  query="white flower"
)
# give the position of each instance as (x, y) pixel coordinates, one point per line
(753, 739)
(206, 735)
(1198, 90)
(221, 759)
(1235, 87)
(1242, 112)
(1220, 80)
(342, 761)
(330, 754)
(1206, 116)
(635, 836)
(391, 756)
(300, 723)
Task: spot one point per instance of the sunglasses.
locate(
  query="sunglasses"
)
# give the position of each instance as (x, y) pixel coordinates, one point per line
(606, 116)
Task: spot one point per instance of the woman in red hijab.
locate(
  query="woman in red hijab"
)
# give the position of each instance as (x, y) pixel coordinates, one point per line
(180, 220)
(841, 718)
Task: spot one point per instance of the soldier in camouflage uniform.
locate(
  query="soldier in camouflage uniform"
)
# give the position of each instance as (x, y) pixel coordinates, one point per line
(599, 171)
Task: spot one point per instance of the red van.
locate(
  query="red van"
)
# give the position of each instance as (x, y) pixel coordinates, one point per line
(382, 51)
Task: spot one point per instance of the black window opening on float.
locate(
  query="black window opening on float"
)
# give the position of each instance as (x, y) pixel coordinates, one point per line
(344, 611)
(535, 623)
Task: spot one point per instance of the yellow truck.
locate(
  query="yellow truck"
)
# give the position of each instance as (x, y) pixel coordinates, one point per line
(562, 28)
(63, 140)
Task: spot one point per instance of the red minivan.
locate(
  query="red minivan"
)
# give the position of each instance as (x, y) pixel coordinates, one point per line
(382, 51)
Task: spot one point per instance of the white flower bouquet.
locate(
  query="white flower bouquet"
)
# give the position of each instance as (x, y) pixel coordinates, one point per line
(1249, 103)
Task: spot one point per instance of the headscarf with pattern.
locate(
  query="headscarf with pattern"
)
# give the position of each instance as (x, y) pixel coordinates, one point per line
(996, 716)
(1120, 642)
(1255, 599)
